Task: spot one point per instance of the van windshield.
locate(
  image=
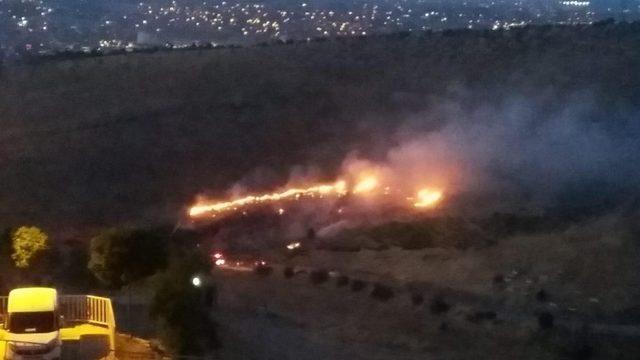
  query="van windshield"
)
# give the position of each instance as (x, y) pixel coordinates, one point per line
(31, 322)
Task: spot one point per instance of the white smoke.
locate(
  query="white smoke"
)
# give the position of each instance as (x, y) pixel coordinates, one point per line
(517, 152)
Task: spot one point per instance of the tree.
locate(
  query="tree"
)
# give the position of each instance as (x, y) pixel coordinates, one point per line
(182, 309)
(75, 270)
(27, 242)
(122, 256)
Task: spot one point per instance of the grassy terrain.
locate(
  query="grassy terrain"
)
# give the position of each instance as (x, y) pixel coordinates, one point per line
(512, 266)
(286, 318)
(133, 138)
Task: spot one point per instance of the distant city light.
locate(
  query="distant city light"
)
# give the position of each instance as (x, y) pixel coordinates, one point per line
(260, 22)
(576, 3)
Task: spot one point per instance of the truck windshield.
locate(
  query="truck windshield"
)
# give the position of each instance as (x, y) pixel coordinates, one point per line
(31, 322)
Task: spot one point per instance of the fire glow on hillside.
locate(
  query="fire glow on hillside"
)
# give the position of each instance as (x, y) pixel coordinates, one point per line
(427, 198)
(336, 189)
(367, 185)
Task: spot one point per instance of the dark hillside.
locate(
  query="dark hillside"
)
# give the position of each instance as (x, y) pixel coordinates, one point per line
(134, 137)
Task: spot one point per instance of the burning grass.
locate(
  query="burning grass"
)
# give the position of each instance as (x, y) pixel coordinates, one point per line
(363, 182)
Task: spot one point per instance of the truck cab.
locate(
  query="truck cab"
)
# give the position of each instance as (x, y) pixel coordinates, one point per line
(33, 324)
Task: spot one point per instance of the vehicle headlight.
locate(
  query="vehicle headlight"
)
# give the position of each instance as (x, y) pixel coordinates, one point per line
(51, 345)
(48, 347)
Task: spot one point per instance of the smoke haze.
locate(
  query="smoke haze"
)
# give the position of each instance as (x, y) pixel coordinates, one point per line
(518, 152)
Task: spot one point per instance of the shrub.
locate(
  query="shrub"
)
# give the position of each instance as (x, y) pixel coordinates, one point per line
(499, 282)
(119, 256)
(318, 276)
(288, 272)
(439, 306)
(342, 280)
(382, 292)
(185, 326)
(545, 320)
(263, 270)
(498, 279)
(481, 316)
(417, 299)
(358, 285)
(542, 296)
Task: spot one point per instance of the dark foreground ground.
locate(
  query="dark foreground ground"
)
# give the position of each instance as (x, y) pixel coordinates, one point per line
(292, 319)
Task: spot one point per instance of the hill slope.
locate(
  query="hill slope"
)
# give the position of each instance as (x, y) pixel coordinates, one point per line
(134, 137)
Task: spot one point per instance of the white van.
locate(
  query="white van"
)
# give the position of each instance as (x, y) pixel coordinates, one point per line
(33, 324)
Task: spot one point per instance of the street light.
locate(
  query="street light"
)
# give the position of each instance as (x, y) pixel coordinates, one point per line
(196, 281)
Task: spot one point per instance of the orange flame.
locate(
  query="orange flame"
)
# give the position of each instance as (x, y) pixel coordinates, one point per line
(366, 184)
(339, 188)
(428, 198)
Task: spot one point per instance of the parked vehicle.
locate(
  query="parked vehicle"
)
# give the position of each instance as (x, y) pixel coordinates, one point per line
(33, 324)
